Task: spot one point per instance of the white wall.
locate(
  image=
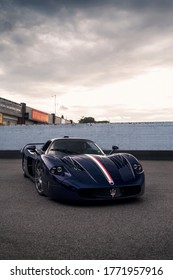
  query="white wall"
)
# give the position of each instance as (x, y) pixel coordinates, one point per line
(128, 136)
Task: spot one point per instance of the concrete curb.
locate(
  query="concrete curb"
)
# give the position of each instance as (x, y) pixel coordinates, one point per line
(141, 155)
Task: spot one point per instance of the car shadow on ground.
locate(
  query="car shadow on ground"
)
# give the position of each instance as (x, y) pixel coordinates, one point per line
(102, 203)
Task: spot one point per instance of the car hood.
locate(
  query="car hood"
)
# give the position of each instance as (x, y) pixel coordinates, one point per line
(99, 170)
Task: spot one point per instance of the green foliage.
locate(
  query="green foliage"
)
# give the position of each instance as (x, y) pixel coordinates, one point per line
(87, 120)
(90, 120)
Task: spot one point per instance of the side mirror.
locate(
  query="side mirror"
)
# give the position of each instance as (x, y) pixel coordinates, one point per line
(114, 149)
(31, 148)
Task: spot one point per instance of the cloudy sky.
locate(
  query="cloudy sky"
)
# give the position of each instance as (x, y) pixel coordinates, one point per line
(111, 60)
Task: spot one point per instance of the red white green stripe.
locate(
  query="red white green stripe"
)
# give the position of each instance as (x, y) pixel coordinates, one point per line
(102, 168)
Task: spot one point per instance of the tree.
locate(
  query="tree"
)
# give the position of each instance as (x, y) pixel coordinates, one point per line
(87, 120)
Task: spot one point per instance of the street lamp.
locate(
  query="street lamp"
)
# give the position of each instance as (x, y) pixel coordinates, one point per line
(55, 103)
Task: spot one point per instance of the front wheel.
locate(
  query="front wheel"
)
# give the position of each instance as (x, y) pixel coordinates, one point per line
(38, 178)
(24, 167)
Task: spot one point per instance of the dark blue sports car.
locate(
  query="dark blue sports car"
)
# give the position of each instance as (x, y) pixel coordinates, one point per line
(77, 169)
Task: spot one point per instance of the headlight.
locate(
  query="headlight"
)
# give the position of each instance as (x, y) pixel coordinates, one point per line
(137, 168)
(57, 170)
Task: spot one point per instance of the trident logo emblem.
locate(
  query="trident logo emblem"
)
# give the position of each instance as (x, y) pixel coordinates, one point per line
(113, 192)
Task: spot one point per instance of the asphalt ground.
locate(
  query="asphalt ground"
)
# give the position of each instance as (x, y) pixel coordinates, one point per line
(35, 227)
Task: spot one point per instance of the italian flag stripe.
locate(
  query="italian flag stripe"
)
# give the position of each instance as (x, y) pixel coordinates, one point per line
(102, 168)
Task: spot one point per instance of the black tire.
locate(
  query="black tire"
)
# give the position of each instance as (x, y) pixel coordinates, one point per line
(23, 168)
(38, 178)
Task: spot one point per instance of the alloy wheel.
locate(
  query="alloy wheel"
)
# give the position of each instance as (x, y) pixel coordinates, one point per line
(38, 178)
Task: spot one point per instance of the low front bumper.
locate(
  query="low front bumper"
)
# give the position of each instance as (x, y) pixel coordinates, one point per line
(64, 192)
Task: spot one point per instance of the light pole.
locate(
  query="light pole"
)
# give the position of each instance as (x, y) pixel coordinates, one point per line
(55, 103)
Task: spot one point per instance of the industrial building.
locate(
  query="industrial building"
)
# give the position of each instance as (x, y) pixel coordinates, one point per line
(12, 113)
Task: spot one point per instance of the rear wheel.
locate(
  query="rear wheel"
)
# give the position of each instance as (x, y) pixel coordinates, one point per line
(38, 178)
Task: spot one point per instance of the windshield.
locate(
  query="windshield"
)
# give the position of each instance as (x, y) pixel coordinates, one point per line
(74, 146)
